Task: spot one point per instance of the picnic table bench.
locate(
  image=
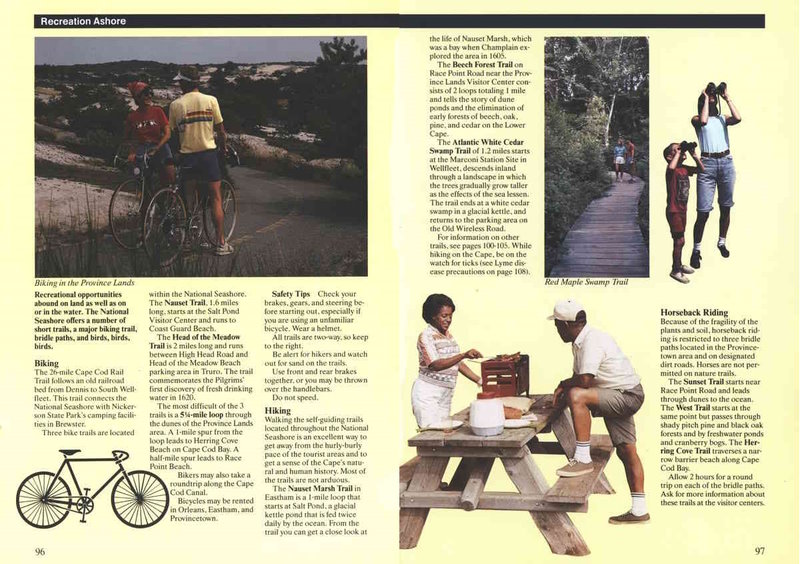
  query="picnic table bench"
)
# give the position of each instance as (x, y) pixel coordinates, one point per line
(421, 487)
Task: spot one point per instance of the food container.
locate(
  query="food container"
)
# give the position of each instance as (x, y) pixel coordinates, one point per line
(506, 375)
(486, 415)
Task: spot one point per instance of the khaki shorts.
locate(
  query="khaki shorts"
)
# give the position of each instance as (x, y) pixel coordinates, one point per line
(617, 407)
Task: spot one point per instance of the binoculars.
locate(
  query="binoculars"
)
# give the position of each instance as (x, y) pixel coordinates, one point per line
(718, 90)
(687, 147)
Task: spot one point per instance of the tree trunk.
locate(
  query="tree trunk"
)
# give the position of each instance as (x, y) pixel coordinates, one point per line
(608, 121)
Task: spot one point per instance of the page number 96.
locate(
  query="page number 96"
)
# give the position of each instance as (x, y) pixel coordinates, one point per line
(39, 552)
(760, 550)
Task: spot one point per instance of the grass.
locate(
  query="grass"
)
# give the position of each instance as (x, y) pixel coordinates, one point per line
(93, 258)
(93, 253)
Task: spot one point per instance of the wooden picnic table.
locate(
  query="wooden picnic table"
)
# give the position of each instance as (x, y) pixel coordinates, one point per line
(421, 487)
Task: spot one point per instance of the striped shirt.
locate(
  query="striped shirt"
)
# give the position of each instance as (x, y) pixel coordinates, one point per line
(194, 115)
(432, 345)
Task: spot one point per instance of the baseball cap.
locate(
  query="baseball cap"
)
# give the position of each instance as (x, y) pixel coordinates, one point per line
(566, 310)
(187, 74)
(137, 88)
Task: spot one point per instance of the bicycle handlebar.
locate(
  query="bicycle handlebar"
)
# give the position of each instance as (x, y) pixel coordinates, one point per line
(120, 455)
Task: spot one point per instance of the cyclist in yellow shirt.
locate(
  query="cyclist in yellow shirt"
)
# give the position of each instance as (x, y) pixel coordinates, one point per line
(196, 117)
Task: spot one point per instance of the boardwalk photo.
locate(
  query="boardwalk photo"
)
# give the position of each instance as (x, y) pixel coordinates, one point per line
(606, 239)
(596, 180)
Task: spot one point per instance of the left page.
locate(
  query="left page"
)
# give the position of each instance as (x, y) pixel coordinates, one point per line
(196, 294)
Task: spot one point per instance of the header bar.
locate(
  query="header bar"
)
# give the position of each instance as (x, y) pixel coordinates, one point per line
(404, 21)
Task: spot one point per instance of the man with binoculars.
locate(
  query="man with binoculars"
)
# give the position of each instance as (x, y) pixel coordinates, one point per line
(719, 173)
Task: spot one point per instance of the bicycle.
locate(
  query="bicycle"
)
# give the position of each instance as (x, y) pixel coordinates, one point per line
(168, 228)
(139, 498)
(125, 209)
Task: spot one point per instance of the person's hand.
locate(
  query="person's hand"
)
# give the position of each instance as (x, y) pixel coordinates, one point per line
(478, 382)
(472, 353)
(704, 93)
(558, 393)
(726, 95)
(131, 156)
(151, 152)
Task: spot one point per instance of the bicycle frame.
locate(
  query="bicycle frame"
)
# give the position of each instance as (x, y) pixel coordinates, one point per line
(67, 462)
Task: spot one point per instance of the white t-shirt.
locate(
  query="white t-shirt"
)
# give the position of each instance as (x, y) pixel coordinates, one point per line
(595, 352)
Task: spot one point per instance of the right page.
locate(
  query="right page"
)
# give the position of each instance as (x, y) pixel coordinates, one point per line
(598, 221)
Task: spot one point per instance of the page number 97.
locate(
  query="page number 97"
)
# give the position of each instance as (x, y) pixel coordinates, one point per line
(760, 550)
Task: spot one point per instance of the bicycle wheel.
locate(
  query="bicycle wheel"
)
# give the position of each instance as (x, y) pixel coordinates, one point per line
(39, 507)
(230, 212)
(125, 214)
(140, 500)
(164, 227)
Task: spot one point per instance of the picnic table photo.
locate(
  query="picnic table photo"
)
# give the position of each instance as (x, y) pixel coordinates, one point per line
(422, 489)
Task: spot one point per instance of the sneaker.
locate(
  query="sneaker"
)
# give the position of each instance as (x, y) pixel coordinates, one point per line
(629, 519)
(225, 249)
(723, 250)
(695, 260)
(679, 276)
(686, 269)
(574, 468)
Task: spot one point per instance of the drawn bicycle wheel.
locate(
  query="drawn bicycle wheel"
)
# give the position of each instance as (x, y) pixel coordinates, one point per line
(42, 500)
(140, 499)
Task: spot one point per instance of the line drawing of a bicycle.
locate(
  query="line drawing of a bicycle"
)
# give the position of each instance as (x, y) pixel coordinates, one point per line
(139, 498)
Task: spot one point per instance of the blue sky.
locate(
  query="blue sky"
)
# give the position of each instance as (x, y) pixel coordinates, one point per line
(182, 50)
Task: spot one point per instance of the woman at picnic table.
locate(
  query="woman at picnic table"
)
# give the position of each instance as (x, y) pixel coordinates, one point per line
(440, 361)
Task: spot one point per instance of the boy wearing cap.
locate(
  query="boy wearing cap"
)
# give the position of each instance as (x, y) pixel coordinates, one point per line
(677, 177)
(603, 384)
(149, 127)
(196, 116)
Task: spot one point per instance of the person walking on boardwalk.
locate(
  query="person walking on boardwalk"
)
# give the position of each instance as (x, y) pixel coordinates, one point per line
(619, 158)
(630, 159)
(196, 116)
(603, 384)
(719, 173)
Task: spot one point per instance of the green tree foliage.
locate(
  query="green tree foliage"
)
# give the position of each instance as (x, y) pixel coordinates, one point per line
(615, 69)
(340, 52)
(330, 99)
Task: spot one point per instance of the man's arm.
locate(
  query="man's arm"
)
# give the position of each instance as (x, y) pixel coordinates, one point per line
(702, 119)
(736, 117)
(222, 137)
(577, 381)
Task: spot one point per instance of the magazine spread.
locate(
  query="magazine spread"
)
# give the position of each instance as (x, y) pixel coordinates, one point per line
(371, 282)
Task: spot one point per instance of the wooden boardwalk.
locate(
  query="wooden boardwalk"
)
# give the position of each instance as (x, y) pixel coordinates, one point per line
(606, 240)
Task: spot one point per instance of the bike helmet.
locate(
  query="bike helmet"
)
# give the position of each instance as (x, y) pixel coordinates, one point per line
(137, 88)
